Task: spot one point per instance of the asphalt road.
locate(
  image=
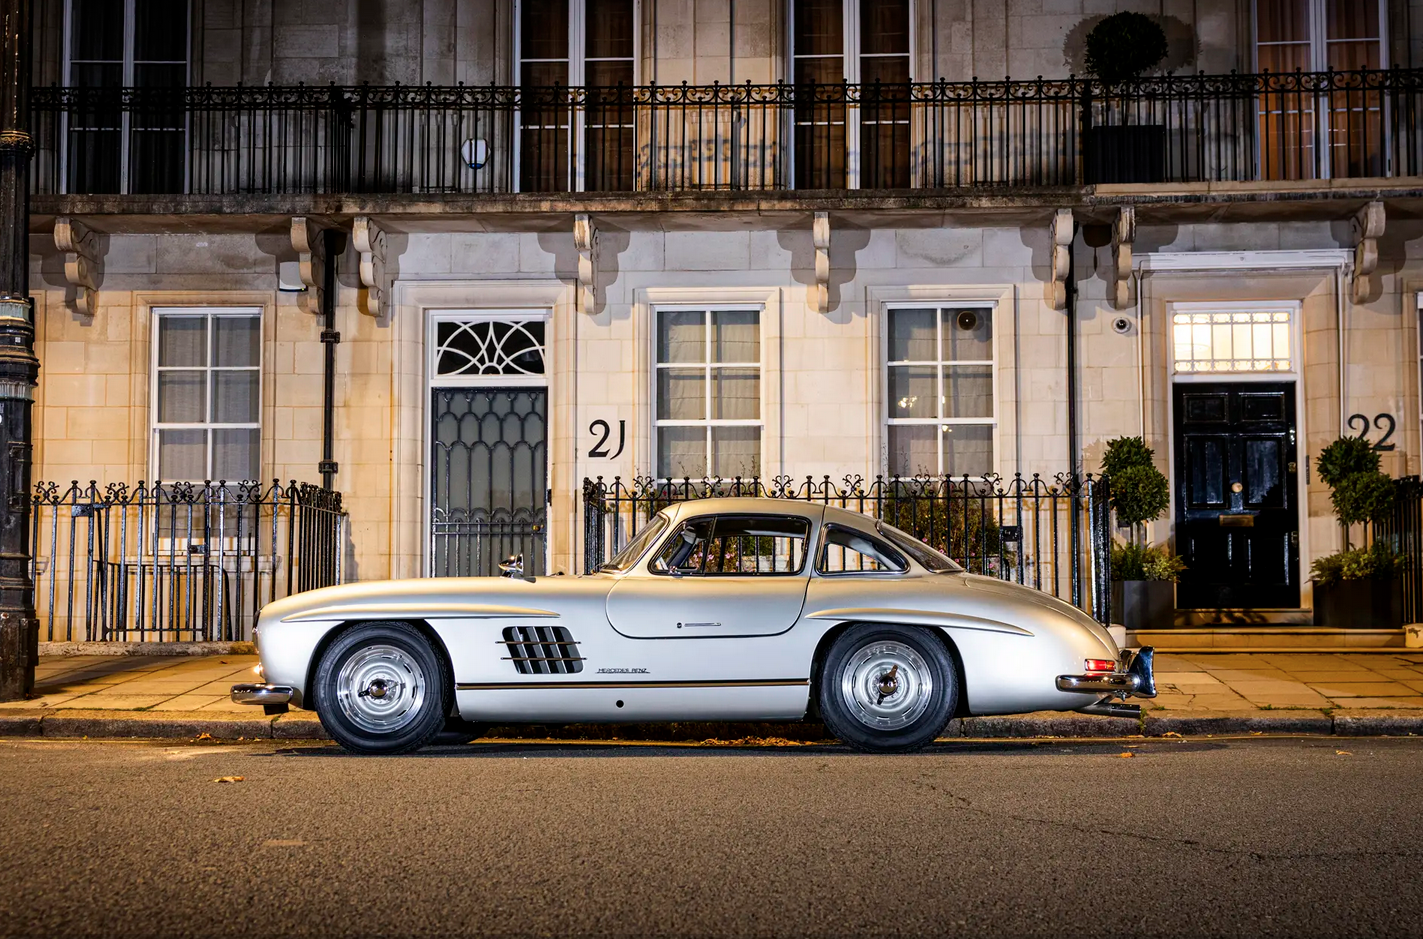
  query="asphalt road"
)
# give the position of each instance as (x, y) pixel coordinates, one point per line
(1210, 837)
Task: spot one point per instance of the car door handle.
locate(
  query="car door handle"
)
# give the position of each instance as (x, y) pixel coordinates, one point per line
(691, 625)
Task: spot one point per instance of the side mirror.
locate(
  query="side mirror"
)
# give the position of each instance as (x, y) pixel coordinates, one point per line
(512, 566)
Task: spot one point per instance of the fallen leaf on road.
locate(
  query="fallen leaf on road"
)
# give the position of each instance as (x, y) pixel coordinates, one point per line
(1343, 753)
(229, 779)
(1126, 756)
(203, 736)
(1170, 733)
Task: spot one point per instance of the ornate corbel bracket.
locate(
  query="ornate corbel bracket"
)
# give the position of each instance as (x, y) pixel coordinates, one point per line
(83, 261)
(311, 260)
(1123, 234)
(585, 239)
(820, 238)
(1368, 225)
(1062, 233)
(369, 239)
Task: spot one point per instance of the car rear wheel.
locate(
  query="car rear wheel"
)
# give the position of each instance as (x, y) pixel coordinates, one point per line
(887, 689)
(381, 689)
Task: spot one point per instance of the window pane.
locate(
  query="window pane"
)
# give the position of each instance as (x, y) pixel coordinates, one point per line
(968, 391)
(912, 391)
(736, 394)
(181, 340)
(182, 397)
(543, 74)
(968, 335)
(911, 336)
(160, 30)
(968, 449)
(1351, 19)
(736, 451)
(543, 29)
(236, 340)
(609, 75)
(610, 26)
(681, 451)
(681, 394)
(736, 336)
(819, 27)
(828, 71)
(884, 26)
(234, 397)
(681, 336)
(235, 453)
(848, 550)
(889, 70)
(96, 75)
(913, 450)
(1283, 20)
(97, 29)
(182, 454)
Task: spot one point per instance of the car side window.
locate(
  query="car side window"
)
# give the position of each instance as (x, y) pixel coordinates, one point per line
(847, 551)
(735, 544)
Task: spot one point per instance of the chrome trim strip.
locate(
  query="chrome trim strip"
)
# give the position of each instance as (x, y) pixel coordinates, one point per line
(452, 610)
(529, 685)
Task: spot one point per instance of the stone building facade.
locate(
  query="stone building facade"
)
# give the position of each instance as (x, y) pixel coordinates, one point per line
(748, 324)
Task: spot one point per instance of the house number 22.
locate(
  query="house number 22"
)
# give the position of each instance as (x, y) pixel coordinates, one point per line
(1360, 423)
(602, 430)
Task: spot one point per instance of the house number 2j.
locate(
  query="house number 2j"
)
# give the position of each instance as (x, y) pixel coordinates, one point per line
(1360, 423)
(603, 431)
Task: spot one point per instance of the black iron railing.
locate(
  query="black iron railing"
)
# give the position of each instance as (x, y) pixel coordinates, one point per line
(177, 561)
(1403, 532)
(1052, 534)
(936, 135)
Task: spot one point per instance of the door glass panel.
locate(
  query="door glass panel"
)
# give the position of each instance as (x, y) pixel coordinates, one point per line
(1263, 472)
(1205, 462)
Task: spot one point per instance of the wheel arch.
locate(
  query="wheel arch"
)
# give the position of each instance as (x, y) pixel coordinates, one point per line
(331, 635)
(822, 651)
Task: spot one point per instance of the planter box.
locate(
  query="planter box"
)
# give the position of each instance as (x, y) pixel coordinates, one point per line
(1134, 153)
(1370, 603)
(1144, 604)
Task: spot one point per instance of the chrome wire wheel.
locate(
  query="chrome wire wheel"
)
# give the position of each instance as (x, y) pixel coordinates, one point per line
(886, 685)
(380, 688)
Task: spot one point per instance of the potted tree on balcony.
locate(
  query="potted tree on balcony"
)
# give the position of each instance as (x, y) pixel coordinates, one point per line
(1120, 49)
(1357, 587)
(1143, 577)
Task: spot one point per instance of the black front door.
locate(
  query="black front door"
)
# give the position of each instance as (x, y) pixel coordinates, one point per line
(1237, 516)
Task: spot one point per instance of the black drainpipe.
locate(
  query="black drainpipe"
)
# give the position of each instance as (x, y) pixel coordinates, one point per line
(335, 243)
(1074, 455)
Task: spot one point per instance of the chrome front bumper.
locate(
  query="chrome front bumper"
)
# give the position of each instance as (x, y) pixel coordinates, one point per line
(1134, 677)
(262, 693)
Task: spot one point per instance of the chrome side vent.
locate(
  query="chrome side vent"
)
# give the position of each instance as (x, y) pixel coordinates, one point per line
(542, 650)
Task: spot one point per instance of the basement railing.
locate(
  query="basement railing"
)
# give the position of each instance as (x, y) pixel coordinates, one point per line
(177, 562)
(927, 136)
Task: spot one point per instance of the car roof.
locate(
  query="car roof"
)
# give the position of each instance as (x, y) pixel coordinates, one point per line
(764, 506)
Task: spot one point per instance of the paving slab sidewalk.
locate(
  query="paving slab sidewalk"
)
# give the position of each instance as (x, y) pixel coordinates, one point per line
(1200, 693)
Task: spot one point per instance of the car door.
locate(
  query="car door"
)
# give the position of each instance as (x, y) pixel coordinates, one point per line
(718, 576)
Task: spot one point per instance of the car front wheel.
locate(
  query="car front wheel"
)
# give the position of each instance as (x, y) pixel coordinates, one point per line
(887, 689)
(381, 689)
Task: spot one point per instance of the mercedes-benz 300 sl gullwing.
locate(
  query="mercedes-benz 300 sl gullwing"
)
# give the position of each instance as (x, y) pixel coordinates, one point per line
(718, 609)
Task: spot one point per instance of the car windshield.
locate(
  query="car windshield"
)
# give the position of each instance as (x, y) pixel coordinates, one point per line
(634, 549)
(926, 557)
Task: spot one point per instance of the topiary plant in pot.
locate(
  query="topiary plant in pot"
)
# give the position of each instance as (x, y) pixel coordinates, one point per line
(1143, 577)
(1357, 587)
(1119, 50)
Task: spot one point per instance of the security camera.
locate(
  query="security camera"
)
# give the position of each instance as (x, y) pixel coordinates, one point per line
(1121, 325)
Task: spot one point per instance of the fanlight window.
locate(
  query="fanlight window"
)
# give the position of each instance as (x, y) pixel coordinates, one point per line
(489, 347)
(1232, 341)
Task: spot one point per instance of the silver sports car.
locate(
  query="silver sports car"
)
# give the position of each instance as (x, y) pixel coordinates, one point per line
(720, 609)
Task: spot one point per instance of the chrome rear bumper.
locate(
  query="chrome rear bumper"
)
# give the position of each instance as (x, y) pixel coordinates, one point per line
(1134, 678)
(262, 693)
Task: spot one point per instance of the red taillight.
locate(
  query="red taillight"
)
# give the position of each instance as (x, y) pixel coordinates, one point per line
(1099, 666)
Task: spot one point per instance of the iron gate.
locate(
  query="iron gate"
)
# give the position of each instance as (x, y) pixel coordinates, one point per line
(489, 479)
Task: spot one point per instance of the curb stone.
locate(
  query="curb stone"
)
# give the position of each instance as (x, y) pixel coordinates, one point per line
(304, 725)
(175, 649)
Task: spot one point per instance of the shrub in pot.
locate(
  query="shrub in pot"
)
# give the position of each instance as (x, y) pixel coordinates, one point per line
(1120, 49)
(1144, 577)
(1357, 587)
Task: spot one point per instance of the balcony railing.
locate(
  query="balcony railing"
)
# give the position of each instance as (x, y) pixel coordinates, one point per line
(933, 136)
(177, 561)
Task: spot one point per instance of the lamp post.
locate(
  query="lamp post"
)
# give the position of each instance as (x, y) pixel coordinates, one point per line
(19, 369)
